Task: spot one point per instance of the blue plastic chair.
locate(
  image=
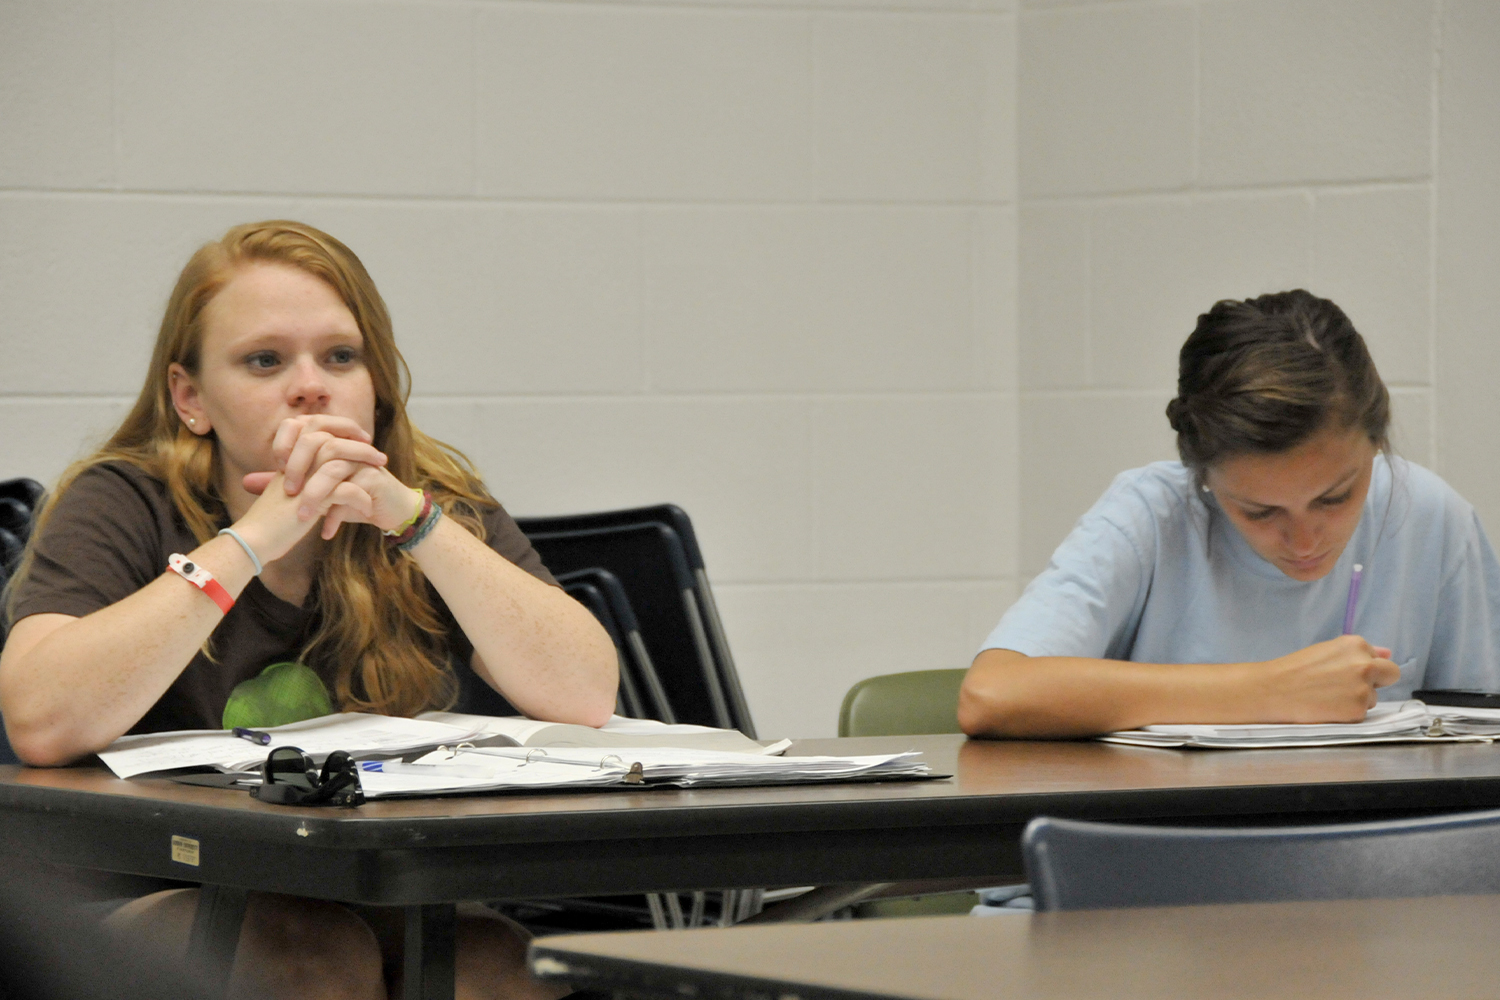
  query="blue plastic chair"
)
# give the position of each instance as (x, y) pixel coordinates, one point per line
(1077, 865)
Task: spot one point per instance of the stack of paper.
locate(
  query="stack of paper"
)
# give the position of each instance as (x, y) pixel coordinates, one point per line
(617, 732)
(130, 756)
(1456, 721)
(1390, 722)
(500, 768)
(451, 753)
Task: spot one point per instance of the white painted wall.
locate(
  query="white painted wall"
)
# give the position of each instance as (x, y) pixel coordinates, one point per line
(882, 291)
(754, 258)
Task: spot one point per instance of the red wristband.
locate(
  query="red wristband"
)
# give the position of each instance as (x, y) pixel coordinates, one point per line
(200, 578)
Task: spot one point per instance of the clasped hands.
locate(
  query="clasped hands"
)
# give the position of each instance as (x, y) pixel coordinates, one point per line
(328, 467)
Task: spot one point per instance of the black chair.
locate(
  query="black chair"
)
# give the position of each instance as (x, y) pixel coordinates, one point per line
(651, 562)
(475, 697)
(1076, 865)
(602, 593)
(676, 519)
(18, 502)
(628, 700)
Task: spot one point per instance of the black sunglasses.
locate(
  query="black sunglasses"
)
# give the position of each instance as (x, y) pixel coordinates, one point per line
(290, 778)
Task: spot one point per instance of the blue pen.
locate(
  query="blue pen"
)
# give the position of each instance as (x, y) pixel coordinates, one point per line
(1353, 598)
(252, 735)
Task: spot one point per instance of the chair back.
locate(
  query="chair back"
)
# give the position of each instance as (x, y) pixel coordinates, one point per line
(651, 564)
(1077, 865)
(587, 592)
(674, 519)
(18, 503)
(607, 598)
(906, 704)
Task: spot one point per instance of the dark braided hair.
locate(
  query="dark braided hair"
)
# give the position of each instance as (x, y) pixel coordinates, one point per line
(1266, 374)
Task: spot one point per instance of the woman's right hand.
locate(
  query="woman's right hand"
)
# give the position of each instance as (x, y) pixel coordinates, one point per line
(1333, 681)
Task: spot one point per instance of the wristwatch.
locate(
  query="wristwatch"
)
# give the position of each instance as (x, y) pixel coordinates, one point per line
(200, 578)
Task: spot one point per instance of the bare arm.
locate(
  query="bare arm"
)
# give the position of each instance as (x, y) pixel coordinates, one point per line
(71, 686)
(532, 642)
(1009, 694)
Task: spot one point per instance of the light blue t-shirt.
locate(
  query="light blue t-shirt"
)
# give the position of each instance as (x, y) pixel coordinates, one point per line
(1156, 573)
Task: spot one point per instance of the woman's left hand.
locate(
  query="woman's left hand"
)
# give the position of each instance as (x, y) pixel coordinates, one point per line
(339, 475)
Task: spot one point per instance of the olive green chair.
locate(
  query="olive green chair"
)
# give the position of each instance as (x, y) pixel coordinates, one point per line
(908, 704)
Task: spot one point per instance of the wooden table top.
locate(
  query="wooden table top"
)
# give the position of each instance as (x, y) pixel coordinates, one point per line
(1359, 950)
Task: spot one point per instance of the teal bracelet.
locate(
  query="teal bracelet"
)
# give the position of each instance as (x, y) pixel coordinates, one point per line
(422, 530)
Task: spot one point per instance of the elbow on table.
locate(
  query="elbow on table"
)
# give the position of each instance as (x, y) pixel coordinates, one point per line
(597, 707)
(592, 702)
(980, 713)
(42, 746)
(37, 737)
(987, 700)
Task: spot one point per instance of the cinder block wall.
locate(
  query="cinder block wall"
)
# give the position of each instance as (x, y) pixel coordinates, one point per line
(756, 258)
(762, 258)
(1173, 154)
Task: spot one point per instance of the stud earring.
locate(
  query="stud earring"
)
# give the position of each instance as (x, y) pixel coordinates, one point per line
(1204, 487)
(192, 422)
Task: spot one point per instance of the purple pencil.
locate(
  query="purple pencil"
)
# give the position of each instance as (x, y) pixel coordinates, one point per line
(1353, 598)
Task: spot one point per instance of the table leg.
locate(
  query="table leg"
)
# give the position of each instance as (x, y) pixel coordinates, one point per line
(429, 952)
(216, 935)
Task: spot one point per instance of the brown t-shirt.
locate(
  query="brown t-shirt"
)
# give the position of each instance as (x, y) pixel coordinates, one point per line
(111, 533)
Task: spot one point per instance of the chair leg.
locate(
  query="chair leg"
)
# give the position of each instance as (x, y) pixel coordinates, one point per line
(817, 903)
(710, 672)
(216, 935)
(658, 911)
(674, 911)
(739, 708)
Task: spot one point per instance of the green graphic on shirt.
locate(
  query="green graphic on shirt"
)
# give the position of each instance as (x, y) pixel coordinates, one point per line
(283, 693)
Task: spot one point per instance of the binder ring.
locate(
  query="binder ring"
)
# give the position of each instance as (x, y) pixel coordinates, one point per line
(533, 750)
(610, 757)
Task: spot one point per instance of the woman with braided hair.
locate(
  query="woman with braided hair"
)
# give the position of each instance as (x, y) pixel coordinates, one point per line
(1215, 589)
